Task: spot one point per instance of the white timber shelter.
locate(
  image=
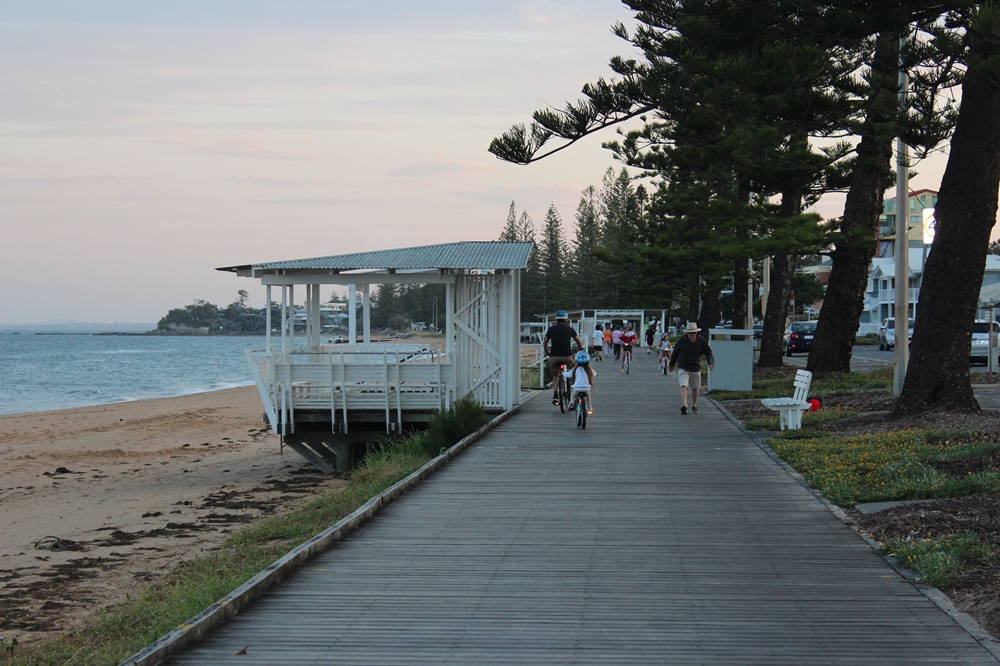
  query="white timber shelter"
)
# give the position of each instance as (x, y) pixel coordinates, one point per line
(329, 401)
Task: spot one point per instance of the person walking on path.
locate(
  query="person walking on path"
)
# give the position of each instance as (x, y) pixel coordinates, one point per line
(558, 348)
(598, 343)
(616, 341)
(607, 340)
(686, 357)
(650, 336)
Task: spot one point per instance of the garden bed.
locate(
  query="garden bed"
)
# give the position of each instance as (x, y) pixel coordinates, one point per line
(970, 576)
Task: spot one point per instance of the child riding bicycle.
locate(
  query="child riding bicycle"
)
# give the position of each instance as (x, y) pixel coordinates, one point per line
(665, 350)
(582, 377)
(629, 338)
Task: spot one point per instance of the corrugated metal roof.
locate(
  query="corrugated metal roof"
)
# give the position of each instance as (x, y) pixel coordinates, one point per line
(488, 255)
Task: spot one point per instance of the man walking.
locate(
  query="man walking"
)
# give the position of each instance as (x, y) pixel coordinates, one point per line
(686, 357)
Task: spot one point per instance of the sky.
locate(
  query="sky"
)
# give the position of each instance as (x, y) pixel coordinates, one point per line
(144, 144)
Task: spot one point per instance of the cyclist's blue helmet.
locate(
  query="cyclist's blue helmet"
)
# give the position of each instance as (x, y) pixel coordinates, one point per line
(582, 357)
(562, 315)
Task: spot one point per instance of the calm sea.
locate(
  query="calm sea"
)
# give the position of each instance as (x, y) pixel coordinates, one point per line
(40, 372)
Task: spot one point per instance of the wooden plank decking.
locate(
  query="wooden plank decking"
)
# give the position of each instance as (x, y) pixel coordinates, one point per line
(649, 538)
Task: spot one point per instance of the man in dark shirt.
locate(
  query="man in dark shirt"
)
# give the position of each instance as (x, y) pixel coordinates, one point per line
(686, 357)
(558, 347)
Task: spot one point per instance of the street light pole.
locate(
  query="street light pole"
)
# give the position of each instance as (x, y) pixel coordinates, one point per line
(901, 310)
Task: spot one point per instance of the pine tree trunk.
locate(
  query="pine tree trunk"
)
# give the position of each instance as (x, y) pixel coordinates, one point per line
(741, 293)
(845, 291)
(694, 298)
(782, 272)
(938, 374)
(772, 338)
(709, 316)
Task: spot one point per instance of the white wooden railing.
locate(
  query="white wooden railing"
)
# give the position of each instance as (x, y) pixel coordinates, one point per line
(339, 379)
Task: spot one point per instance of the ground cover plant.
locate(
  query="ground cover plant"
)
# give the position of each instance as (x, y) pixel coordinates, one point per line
(940, 471)
(122, 630)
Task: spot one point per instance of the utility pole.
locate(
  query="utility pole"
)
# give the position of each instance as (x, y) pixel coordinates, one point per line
(901, 309)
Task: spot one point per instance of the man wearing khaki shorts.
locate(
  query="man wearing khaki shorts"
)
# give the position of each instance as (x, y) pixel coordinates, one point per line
(686, 357)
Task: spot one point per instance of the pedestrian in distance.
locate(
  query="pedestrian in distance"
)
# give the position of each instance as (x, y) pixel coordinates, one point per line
(558, 347)
(607, 340)
(650, 336)
(596, 354)
(686, 357)
(616, 341)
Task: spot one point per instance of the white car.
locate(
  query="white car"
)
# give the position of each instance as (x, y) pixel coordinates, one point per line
(981, 341)
(887, 334)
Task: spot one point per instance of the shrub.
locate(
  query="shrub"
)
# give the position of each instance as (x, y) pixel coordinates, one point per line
(450, 426)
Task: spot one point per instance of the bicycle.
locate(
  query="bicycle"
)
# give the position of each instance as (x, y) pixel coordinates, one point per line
(563, 389)
(665, 363)
(582, 409)
(626, 358)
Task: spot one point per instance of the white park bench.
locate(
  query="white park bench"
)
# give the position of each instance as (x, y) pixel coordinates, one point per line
(790, 409)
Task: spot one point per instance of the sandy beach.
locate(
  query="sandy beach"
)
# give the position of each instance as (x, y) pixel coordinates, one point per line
(96, 502)
(137, 487)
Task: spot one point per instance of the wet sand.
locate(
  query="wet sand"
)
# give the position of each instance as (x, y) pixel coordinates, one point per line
(95, 501)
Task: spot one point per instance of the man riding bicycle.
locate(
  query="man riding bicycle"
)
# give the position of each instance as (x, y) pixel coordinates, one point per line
(558, 348)
(629, 338)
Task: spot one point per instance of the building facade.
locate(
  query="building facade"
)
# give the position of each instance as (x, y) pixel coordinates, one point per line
(880, 296)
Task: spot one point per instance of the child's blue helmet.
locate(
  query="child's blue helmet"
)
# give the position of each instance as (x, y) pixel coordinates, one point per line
(582, 357)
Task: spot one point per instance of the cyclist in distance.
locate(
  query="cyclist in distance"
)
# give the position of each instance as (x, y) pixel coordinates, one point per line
(559, 350)
(582, 380)
(629, 338)
(665, 350)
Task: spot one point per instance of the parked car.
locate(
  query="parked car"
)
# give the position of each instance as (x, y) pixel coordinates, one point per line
(799, 337)
(887, 334)
(981, 341)
(758, 332)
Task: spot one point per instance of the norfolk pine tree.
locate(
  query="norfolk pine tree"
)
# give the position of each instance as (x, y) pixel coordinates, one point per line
(938, 374)
(553, 260)
(743, 83)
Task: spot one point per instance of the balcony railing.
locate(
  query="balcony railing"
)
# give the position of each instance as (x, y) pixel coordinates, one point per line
(889, 295)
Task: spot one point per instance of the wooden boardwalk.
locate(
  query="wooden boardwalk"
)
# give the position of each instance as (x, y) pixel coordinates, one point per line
(649, 538)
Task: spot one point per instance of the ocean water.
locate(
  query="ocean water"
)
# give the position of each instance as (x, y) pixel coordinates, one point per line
(39, 372)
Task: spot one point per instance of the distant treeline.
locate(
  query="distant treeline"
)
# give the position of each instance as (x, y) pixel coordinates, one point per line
(204, 318)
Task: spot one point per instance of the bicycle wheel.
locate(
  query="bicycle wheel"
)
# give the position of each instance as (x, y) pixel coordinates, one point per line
(583, 407)
(579, 412)
(562, 393)
(628, 359)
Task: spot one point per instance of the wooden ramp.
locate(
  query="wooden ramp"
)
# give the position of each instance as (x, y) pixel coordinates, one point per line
(649, 538)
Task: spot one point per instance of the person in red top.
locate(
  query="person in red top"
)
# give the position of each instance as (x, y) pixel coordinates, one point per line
(629, 338)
